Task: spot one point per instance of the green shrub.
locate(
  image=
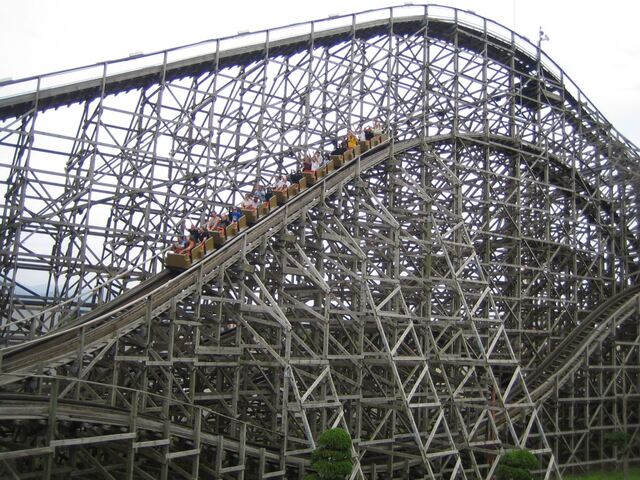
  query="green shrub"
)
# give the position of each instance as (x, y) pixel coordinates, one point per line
(617, 439)
(515, 465)
(335, 439)
(332, 458)
(505, 472)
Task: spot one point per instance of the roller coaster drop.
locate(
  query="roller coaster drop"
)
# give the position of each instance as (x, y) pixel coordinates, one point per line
(467, 287)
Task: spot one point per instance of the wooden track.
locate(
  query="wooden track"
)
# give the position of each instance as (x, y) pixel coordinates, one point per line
(142, 77)
(557, 367)
(155, 295)
(33, 406)
(129, 310)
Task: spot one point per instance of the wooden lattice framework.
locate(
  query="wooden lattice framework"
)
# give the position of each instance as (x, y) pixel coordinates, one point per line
(405, 298)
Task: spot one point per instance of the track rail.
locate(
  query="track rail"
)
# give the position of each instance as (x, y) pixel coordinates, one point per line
(17, 406)
(121, 316)
(154, 295)
(55, 97)
(556, 368)
(140, 290)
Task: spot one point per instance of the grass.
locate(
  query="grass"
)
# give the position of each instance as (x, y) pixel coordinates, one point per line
(634, 474)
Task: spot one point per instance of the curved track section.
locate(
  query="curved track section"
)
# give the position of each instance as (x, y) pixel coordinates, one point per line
(327, 37)
(152, 431)
(116, 318)
(557, 366)
(323, 67)
(266, 328)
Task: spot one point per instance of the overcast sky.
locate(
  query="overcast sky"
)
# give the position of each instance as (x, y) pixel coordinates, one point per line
(596, 43)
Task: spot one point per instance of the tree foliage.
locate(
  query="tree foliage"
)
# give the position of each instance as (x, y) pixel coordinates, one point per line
(617, 439)
(516, 465)
(332, 458)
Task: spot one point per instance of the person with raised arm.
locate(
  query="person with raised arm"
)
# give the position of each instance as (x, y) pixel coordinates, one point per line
(214, 222)
(352, 140)
(368, 133)
(377, 128)
(282, 184)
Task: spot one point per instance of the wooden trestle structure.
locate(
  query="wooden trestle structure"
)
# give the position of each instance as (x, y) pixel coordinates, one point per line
(467, 288)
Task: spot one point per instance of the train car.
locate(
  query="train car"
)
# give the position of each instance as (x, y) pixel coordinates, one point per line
(218, 237)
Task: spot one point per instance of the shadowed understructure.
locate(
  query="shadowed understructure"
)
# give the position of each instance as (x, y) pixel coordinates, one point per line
(467, 288)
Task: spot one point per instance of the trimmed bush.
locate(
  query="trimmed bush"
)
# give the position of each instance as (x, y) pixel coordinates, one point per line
(515, 465)
(335, 439)
(332, 458)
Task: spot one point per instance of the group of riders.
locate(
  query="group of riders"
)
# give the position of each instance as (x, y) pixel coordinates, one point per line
(261, 194)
